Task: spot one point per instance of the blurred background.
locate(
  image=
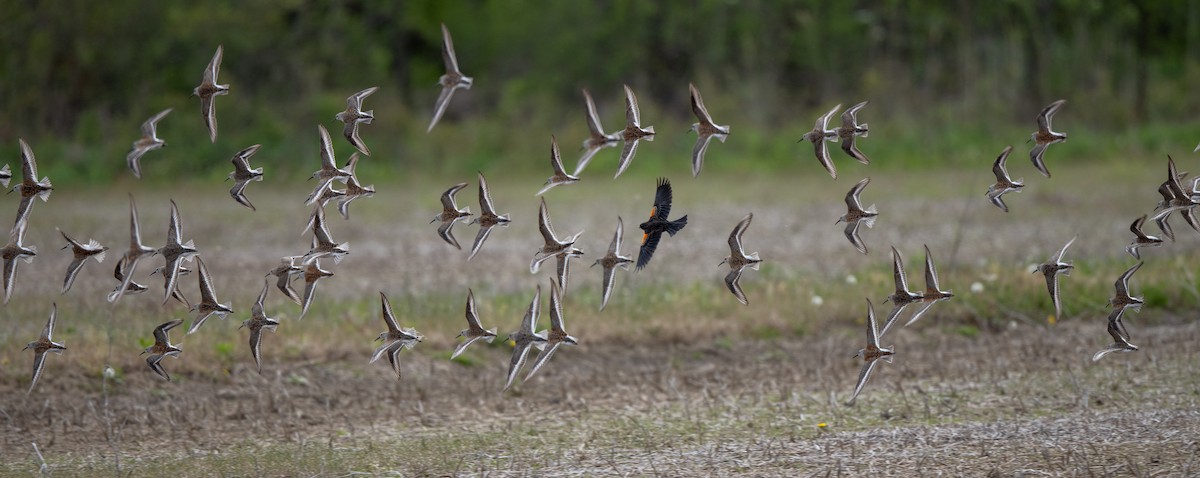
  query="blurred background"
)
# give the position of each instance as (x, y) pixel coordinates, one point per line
(80, 76)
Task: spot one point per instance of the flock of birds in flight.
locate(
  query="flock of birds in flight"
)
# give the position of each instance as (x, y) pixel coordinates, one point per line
(176, 252)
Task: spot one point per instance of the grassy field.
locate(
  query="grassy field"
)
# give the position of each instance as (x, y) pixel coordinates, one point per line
(674, 377)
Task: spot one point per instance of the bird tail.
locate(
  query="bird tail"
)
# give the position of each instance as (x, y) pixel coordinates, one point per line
(371, 116)
(676, 225)
(865, 130)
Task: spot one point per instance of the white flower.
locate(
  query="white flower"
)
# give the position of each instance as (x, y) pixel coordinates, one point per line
(850, 279)
(976, 287)
(817, 300)
(109, 372)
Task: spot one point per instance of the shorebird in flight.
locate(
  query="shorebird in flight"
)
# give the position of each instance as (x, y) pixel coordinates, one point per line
(705, 128)
(129, 287)
(29, 186)
(136, 252)
(353, 115)
(175, 252)
(312, 274)
(552, 245)
(323, 243)
(284, 273)
(80, 252)
(597, 139)
(148, 142)
(162, 348)
(208, 91)
(1116, 329)
(610, 262)
(1121, 298)
(208, 304)
(15, 251)
(933, 291)
(452, 80)
(394, 339)
(819, 136)
(354, 189)
(1004, 183)
(525, 337)
(257, 322)
(487, 217)
(901, 297)
(556, 336)
(474, 330)
(851, 129)
(1044, 137)
(738, 260)
(1051, 269)
(633, 133)
(450, 215)
(871, 353)
(44, 343)
(857, 216)
(1140, 239)
(242, 175)
(560, 176)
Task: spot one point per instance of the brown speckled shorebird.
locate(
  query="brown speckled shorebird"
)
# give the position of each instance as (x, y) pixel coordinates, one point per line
(329, 170)
(856, 215)
(1044, 137)
(738, 260)
(901, 297)
(557, 335)
(1121, 298)
(29, 186)
(633, 132)
(871, 353)
(284, 273)
(850, 129)
(933, 291)
(1051, 269)
(560, 176)
(162, 348)
(1116, 329)
(128, 287)
(15, 251)
(323, 243)
(597, 139)
(1175, 198)
(394, 339)
(552, 245)
(354, 189)
(208, 304)
(176, 293)
(1004, 183)
(705, 128)
(525, 337)
(1140, 239)
(174, 252)
(819, 136)
(312, 273)
(474, 330)
(257, 322)
(148, 142)
(209, 90)
(242, 175)
(562, 263)
(353, 115)
(487, 218)
(450, 215)
(43, 344)
(452, 80)
(136, 252)
(610, 262)
(81, 253)
(324, 194)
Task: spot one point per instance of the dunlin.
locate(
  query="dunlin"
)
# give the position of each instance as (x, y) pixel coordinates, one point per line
(323, 243)
(354, 115)
(452, 80)
(597, 139)
(705, 128)
(1121, 298)
(162, 348)
(14, 251)
(901, 297)
(552, 245)
(560, 176)
(850, 129)
(133, 255)
(633, 132)
(1120, 337)
(81, 253)
(487, 218)
(208, 304)
(256, 323)
(1004, 183)
(284, 273)
(933, 291)
(242, 175)
(610, 262)
(1051, 269)
(738, 260)
(474, 330)
(556, 336)
(856, 215)
(819, 136)
(30, 187)
(394, 339)
(44, 343)
(354, 189)
(525, 337)
(175, 252)
(1140, 239)
(871, 354)
(148, 142)
(208, 91)
(1044, 137)
(312, 273)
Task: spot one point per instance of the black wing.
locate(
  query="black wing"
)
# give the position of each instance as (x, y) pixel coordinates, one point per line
(662, 200)
(649, 243)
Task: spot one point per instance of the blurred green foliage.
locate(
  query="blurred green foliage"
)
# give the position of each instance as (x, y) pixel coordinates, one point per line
(79, 76)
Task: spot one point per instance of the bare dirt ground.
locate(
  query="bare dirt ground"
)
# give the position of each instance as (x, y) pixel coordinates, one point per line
(674, 378)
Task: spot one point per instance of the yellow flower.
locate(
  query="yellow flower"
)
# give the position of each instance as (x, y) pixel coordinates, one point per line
(822, 425)
(1050, 319)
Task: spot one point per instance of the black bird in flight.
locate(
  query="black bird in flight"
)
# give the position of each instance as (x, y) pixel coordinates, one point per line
(658, 223)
